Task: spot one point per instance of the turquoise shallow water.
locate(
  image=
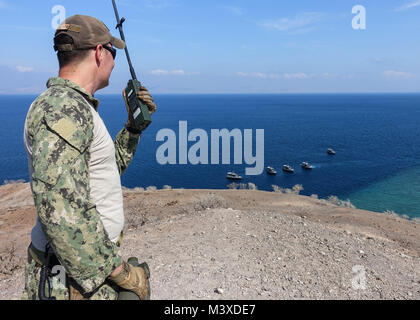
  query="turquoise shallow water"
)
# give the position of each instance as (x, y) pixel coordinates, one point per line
(399, 193)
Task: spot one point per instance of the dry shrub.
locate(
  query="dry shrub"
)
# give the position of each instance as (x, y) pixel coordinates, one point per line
(209, 201)
(276, 188)
(297, 188)
(14, 181)
(134, 190)
(347, 204)
(333, 200)
(402, 216)
(171, 203)
(10, 260)
(340, 203)
(134, 215)
(242, 186)
(233, 186)
(252, 186)
(314, 196)
(285, 190)
(166, 187)
(151, 188)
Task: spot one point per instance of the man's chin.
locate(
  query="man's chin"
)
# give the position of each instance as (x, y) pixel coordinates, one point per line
(104, 85)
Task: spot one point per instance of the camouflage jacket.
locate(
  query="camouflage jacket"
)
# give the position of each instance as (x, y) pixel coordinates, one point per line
(60, 128)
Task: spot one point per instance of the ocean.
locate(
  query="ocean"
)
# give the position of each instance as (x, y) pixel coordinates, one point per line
(376, 138)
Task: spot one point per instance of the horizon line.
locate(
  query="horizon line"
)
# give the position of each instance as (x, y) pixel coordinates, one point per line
(237, 93)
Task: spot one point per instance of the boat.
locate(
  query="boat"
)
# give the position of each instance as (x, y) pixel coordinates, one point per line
(288, 168)
(271, 170)
(306, 165)
(330, 151)
(233, 176)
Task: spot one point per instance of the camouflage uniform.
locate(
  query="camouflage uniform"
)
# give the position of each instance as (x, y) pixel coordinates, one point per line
(60, 128)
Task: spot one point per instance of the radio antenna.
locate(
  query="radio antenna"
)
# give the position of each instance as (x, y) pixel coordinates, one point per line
(120, 28)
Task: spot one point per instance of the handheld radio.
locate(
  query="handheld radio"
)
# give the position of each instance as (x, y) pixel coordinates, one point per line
(139, 109)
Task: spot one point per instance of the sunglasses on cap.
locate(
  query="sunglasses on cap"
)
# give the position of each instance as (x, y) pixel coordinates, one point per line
(112, 50)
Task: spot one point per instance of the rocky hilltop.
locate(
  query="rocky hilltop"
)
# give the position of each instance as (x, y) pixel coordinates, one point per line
(243, 244)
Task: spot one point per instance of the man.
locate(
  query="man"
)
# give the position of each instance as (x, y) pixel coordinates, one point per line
(75, 170)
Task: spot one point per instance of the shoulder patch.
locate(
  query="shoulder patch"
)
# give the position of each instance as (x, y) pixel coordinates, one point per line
(65, 127)
(69, 116)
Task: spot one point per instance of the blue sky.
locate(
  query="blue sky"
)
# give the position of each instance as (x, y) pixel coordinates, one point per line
(267, 46)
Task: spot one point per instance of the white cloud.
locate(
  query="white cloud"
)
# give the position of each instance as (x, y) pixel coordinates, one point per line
(178, 72)
(24, 69)
(288, 76)
(301, 23)
(327, 75)
(408, 6)
(300, 76)
(306, 76)
(392, 74)
(159, 72)
(259, 75)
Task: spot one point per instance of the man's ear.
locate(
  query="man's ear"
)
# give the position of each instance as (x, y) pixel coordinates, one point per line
(99, 54)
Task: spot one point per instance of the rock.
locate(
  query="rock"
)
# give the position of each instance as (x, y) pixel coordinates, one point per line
(219, 290)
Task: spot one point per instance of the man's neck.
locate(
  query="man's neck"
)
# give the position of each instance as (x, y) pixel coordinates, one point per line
(80, 76)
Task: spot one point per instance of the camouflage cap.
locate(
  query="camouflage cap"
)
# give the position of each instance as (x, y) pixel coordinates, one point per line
(87, 32)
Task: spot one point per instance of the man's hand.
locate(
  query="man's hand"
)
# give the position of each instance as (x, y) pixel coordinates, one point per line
(146, 98)
(134, 279)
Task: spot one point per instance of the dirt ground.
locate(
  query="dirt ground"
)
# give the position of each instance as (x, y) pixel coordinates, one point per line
(243, 244)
